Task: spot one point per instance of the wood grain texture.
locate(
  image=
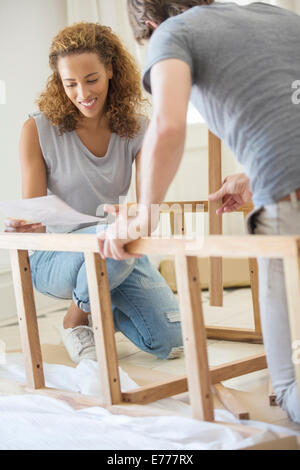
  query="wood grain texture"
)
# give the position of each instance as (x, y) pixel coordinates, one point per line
(103, 325)
(215, 221)
(230, 402)
(27, 318)
(194, 337)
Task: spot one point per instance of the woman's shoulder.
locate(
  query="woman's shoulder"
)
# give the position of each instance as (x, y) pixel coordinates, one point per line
(143, 125)
(43, 124)
(38, 117)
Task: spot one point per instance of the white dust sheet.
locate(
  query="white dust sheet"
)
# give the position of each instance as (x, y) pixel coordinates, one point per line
(39, 422)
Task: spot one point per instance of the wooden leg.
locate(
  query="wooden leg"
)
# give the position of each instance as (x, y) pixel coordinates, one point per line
(215, 221)
(103, 325)
(177, 223)
(194, 336)
(230, 402)
(292, 282)
(253, 270)
(27, 318)
(272, 394)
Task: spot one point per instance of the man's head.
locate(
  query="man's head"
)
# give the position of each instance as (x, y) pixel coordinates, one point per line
(144, 13)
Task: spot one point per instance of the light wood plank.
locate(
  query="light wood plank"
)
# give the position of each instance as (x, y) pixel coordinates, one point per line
(230, 402)
(244, 246)
(215, 221)
(103, 326)
(227, 333)
(27, 318)
(189, 290)
(168, 388)
(228, 246)
(238, 368)
(253, 270)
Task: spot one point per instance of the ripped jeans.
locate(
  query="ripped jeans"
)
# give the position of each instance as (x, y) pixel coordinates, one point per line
(144, 307)
(281, 218)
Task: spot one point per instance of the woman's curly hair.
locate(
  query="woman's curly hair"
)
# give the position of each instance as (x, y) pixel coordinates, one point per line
(158, 11)
(125, 102)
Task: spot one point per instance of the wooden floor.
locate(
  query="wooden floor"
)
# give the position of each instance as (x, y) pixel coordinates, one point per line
(143, 368)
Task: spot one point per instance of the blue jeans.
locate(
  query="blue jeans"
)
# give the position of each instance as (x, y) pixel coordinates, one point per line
(144, 307)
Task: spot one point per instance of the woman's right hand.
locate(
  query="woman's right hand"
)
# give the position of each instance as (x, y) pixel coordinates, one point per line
(21, 226)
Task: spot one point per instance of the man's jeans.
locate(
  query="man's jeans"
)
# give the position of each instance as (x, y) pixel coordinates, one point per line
(144, 307)
(282, 218)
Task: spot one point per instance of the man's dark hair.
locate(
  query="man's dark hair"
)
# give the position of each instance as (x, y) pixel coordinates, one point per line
(157, 11)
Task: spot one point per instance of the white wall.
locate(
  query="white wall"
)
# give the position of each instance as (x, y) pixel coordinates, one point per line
(26, 30)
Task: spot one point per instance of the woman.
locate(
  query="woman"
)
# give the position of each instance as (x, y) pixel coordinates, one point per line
(81, 147)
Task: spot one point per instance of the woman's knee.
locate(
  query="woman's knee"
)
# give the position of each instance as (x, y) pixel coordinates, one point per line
(55, 273)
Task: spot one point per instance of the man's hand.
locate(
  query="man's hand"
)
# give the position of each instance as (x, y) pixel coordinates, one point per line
(125, 229)
(234, 193)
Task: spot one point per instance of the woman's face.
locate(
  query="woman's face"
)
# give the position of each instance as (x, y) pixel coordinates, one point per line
(86, 81)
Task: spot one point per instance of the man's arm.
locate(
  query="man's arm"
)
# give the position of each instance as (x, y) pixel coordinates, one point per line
(163, 145)
(162, 152)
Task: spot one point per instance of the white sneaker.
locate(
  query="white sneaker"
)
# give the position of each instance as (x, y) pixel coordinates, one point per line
(176, 352)
(79, 342)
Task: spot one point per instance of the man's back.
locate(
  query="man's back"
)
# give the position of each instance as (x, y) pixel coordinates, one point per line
(243, 62)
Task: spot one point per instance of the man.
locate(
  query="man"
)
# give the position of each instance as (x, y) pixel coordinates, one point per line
(238, 64)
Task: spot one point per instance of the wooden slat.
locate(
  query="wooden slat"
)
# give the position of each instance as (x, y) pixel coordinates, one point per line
(228, 246)
(292, 283)
(237, 368)
(215, 221)
(103, 326)
(253, 270)
(194, 337)
(168, 388)
(27, 318)
(230, 402)
(233, 334)
(196, 206)
(244, 246)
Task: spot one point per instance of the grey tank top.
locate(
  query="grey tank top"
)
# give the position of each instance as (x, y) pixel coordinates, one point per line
(81, 179)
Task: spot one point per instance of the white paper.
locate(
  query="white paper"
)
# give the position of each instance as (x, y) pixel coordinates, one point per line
(47, 210)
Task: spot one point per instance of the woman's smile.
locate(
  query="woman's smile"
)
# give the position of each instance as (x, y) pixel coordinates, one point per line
(88, 104)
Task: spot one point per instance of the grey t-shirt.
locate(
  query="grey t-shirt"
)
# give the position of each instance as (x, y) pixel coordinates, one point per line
(243, 61)
(81, 179)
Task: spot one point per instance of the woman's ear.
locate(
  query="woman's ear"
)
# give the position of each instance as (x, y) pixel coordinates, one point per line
(151, 24)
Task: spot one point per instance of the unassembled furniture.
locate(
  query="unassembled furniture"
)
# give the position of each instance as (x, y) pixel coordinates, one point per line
(199, 376)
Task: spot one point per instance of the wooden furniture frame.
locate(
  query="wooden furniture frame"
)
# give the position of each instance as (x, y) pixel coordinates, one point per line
(216, 332)
(199, 376)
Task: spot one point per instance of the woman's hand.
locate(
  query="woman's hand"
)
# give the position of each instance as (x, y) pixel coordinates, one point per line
(234, 193)
(22, 226)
